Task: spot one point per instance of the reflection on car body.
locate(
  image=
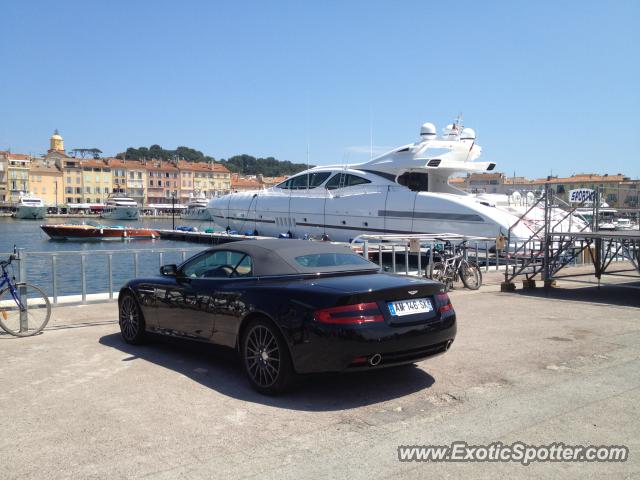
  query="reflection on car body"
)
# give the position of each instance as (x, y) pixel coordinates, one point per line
(292, 307)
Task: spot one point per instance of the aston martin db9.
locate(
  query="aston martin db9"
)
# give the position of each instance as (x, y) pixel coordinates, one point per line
(292, 307)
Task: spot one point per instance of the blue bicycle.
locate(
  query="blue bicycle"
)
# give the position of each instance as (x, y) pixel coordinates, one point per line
(24, 308)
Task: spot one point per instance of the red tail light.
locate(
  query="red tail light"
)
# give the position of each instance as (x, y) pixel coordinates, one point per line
(356, 314)
(443, 303)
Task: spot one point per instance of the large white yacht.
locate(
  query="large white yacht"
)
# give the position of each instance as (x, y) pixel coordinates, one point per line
(404, 191)
(30, 207)
(120, 208)
(196, 209)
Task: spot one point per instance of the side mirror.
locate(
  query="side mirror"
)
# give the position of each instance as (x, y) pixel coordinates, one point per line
(169, 270)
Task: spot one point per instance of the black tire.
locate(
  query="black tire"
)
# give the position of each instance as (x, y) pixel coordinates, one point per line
(439, 275)
(131, 320)
(38, 310)
(265, 357)
(471, 276)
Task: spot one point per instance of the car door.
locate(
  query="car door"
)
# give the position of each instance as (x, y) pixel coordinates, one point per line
(182, 306)
(191, 305)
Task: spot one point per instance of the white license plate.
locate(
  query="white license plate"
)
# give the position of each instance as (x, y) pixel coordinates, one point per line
(410, 307)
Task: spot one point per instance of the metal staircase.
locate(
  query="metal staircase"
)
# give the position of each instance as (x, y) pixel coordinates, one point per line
(545, 252)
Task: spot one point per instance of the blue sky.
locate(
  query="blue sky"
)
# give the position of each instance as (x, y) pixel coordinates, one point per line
(548, 86)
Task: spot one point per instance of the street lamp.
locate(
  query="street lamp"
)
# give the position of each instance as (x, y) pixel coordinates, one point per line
(173, 211)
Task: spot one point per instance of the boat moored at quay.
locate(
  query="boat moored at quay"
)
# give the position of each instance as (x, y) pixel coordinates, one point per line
(121, 208)
(404, 191)
(196, 209)
(97, 232)
(30, 207)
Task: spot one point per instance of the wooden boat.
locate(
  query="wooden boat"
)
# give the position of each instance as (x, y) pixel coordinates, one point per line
(97, 232)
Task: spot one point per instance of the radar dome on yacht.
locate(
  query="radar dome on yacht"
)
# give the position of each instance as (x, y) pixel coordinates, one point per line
(428, 131)
(468, 134)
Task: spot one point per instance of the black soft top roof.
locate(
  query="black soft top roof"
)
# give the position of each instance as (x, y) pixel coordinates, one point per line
(278, 256)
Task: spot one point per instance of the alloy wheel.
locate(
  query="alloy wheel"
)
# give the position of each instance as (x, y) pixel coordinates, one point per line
(129, 318)
(262, 356)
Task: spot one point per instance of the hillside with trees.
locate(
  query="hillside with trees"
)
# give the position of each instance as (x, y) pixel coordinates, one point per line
(243, 164)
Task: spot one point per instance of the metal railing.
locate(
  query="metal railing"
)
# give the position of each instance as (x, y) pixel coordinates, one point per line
(416, 246)
(50, 264)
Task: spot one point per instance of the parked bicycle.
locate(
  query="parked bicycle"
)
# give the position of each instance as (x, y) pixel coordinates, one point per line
(24, 309)
(454, 266)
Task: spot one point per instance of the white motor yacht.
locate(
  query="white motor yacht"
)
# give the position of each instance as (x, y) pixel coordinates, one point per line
(120, 208)
(196, 209)
(404, 191)
(30, 207)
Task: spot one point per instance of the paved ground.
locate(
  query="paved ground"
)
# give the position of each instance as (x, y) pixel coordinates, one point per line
(76, 402)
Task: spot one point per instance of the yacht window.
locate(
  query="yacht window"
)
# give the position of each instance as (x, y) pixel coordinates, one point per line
(415, 181)
(342, 180)
(352, 180)
(388, 176)
(312, 180)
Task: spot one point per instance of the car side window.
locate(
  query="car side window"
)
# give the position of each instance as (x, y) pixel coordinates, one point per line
(219, 264)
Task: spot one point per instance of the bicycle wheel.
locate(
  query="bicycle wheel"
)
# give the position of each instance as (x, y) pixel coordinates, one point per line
(470, 275)
(34, 317)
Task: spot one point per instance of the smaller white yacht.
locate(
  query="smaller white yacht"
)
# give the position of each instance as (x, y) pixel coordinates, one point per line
(625, 224)
(121, 208)
(30, 207)
(196, 209)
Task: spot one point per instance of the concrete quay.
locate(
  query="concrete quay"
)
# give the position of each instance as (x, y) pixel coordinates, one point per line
(77, 402)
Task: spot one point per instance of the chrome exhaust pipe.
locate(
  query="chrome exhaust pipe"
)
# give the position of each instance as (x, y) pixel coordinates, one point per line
(448, 345)
(375, 359)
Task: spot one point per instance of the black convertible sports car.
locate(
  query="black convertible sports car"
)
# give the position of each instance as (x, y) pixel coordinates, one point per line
(292, 306)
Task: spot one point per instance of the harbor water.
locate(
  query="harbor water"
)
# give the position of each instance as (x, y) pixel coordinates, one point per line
(27, 234)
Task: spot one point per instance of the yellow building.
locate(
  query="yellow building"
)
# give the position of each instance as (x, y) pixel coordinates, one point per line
(96, 181)
(17, 175)
(45, 180)
(211, 179)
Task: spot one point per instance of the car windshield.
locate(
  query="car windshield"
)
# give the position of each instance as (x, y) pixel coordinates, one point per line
(330, 260)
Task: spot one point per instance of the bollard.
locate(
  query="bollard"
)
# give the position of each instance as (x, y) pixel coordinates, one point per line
(365, 249)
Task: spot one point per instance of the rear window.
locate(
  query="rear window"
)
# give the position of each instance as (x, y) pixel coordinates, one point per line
(330, 260)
